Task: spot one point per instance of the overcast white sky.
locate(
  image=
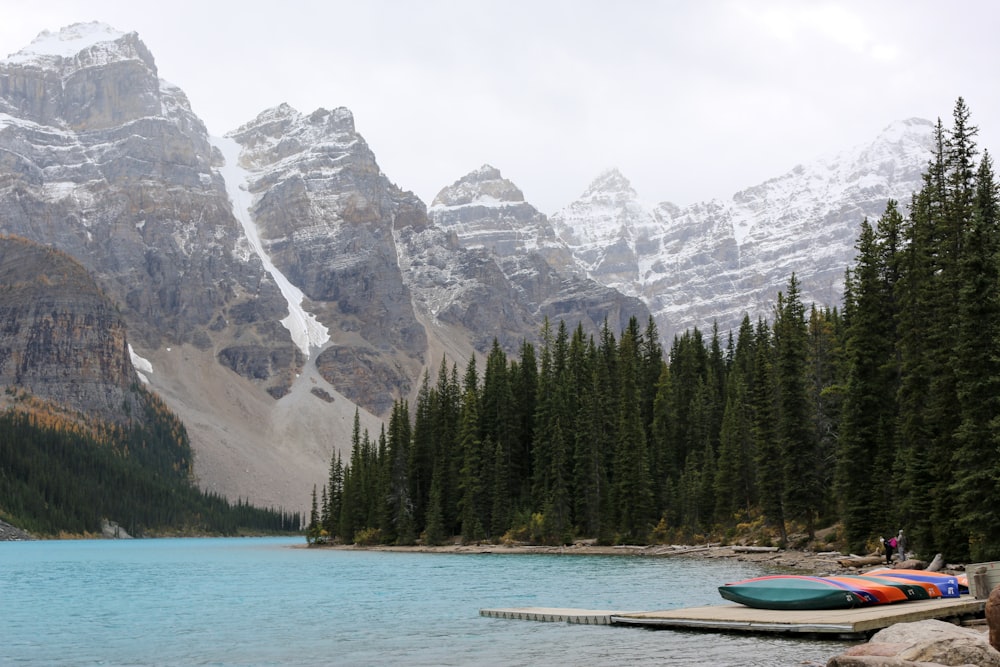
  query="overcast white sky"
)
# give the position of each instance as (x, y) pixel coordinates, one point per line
(691, 100)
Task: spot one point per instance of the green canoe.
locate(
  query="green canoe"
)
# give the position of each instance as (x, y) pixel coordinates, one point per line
(790, 592)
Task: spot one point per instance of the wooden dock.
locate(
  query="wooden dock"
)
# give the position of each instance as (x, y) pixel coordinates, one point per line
(555, 615)
(833, 623)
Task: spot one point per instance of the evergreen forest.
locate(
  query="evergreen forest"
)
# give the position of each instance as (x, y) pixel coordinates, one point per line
(878, 415)
(61, 476)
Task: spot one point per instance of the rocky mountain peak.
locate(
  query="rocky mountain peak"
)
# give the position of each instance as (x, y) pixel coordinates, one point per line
(87, 76)
(611, 184)
(484, 186)
(282, 132)
(608, 228)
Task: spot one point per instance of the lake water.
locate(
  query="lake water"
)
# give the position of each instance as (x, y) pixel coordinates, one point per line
(228, 602)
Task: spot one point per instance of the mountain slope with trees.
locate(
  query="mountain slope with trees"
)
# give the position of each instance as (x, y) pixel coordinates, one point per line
(81, 439)
(876, 416)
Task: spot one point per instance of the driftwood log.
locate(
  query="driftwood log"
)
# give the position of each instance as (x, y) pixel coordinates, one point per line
(860, 561)
(744, 550)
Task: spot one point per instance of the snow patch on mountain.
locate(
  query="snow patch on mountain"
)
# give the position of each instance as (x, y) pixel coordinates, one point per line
(306, 331)
(143, 367)
(67, 42)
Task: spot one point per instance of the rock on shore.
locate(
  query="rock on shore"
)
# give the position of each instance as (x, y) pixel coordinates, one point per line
(923, 643)
(9, 533)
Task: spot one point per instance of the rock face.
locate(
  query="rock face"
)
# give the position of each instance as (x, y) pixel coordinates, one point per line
(718, 260)
(9, 533)
(105, 161)
(61, 338)
(326, 216)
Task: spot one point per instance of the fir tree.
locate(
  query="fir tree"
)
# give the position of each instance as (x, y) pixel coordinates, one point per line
(771, 474)
(633, 487)
(797, 441)
(978, 374)
(470, 503)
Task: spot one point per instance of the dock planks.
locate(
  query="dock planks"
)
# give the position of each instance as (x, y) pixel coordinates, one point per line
(844, 623)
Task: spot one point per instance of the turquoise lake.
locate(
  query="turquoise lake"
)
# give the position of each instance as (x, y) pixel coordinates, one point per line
(260, 601)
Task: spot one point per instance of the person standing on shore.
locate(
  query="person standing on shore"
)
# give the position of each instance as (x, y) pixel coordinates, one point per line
(901, 545)
(890, 546)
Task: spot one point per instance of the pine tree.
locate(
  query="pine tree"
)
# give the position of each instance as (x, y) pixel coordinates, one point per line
(352, 511)
(381, 494)
(312, 530)
(470, 503)
(501, 511)
(589, 473)
(929, 289)
(826, 384)
(771, 477)
(336, 494)
(524, 389)
(633, 486)
(661, 468)
(867, 449)
(445, 415)
(435, 532)
(734, 476)
(400, 503)
(498, 426)
(546, 416)
(978, 374)
(801, 496)
(422, 451)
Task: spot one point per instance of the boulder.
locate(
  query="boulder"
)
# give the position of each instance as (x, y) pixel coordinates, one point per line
(993, 617)
(921, 643)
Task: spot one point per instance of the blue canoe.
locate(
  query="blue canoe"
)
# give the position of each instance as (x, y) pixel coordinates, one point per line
(948, 584)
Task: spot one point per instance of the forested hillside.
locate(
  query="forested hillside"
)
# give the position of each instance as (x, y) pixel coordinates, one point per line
(63, 476)
(878, 416)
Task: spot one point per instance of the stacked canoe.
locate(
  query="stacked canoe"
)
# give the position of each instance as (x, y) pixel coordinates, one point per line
(883, 586)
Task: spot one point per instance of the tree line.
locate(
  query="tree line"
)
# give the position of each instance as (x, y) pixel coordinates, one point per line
(878, 415)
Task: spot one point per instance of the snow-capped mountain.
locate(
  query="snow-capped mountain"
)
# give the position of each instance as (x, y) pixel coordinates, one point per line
(273, 280)
(607, 229)
(716, 261)
(486, 212)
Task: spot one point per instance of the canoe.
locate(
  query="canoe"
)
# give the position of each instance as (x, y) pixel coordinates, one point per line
(791, 592)
(948, 584)
(864, 593)
(914, 590)
(883, 593)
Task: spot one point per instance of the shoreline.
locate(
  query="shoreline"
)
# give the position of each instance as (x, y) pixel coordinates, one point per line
(806, 562)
